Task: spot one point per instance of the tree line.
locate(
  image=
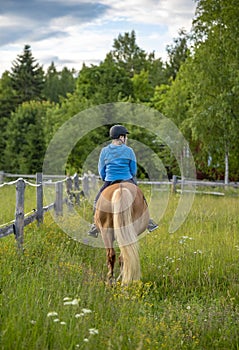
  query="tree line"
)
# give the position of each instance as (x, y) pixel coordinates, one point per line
(197, 88)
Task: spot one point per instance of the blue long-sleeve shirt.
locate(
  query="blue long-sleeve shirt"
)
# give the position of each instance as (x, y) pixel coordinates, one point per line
(117, 162)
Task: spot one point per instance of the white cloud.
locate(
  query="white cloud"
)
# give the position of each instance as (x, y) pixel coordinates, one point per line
(150, 11)
(70, 40)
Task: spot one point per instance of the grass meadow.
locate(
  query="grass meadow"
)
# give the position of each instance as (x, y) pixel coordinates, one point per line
(54, 296)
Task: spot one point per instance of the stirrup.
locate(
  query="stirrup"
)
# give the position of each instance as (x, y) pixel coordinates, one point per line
(93, 232)
(152, 226)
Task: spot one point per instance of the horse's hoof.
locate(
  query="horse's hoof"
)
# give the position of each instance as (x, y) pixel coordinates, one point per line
(111, 281)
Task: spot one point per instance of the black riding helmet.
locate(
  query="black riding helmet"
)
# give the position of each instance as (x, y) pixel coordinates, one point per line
(117, 130)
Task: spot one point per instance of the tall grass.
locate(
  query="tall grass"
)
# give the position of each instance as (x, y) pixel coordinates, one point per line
(54, 296)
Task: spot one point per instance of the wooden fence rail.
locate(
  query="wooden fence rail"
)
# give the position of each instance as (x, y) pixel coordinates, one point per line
(180, 185)
(21, 220)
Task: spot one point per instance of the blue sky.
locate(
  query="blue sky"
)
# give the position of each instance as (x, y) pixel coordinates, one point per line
(73, 32)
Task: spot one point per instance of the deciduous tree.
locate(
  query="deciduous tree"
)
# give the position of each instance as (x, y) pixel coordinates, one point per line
(25, 145)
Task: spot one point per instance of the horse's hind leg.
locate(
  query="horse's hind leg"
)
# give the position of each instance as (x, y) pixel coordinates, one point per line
(121, 263)
(110, 252)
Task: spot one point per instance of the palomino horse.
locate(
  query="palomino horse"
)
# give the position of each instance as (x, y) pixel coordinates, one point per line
(121, 215)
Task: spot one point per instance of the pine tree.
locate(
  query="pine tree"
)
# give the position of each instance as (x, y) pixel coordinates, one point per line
(58, 84)
(27, 77)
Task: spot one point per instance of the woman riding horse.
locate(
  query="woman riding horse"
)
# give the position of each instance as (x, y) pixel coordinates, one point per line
(121, 211)
(117, 162)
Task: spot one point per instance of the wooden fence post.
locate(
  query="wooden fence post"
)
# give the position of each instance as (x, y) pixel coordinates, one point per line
(77, 188)
(93, 181)
(59, 198)
(85, 185)
(174, 183)
(1, 176)
(39, 198)
(19, 214)
(69, 188)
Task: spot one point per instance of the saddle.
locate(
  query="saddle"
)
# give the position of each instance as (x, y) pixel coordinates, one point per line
(119, 181)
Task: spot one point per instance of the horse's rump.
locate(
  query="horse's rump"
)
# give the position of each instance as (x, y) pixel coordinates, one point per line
(121, 215)
(127, 200)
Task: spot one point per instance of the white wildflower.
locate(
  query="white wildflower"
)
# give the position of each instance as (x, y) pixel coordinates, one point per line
(86, 311)
(56, 320)
(52, 313)
(72, 302)
(86, 340)
(93, 331)
(198, 251)
(63, 323)
(79, 315)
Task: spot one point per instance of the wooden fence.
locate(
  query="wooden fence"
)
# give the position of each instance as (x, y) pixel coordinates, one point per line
(177, 184)
(21, 220)
(74, 192)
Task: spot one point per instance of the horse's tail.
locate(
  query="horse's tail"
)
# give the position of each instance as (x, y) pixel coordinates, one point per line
(125, 234)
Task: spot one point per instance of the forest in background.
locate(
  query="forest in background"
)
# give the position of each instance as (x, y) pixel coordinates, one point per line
(197, 88)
